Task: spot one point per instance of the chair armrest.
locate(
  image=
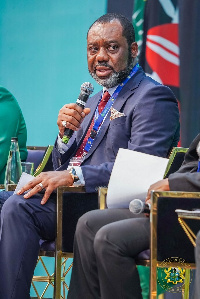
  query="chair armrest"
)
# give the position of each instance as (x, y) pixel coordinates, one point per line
(70, 207)
(72, 203)
(60, 191)
(176, 159)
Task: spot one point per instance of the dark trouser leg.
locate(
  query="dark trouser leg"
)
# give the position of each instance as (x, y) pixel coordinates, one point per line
(116, 245)
(4, 195)
(23, 223)
(87, 281)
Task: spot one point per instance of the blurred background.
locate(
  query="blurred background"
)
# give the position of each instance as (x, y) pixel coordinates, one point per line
(43, 55)
(43, 58)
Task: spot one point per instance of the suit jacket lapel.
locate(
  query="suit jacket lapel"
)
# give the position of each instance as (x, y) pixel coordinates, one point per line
(129, 89)
(125, 93)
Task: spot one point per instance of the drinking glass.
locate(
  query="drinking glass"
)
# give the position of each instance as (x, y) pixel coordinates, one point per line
(27, 167)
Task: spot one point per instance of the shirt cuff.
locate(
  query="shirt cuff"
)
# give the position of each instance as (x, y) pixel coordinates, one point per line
(61, 147)
(79, 173)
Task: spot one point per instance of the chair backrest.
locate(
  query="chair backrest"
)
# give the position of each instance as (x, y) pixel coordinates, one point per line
(41, 157)
(176, 159)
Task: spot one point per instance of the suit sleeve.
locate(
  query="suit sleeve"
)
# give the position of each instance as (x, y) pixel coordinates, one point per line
(188, 181)
(187, 178)
(155, 125)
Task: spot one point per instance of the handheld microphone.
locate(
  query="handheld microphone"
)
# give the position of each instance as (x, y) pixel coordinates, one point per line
(137, 206)
(86, 90)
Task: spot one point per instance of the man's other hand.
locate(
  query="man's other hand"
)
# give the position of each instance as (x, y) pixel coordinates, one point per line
(162, 185)
(49, 180)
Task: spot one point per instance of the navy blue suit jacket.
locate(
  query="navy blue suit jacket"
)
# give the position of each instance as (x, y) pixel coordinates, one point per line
(150, 125)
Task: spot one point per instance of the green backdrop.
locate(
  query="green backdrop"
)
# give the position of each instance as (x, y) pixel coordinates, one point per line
(43, 57)
(43, 62)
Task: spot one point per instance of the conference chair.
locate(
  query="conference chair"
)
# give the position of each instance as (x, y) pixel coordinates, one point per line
(71, 206)
(172, 249)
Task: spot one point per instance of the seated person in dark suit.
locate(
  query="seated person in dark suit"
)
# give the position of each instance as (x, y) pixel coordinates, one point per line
(129, 120)
(107, 242)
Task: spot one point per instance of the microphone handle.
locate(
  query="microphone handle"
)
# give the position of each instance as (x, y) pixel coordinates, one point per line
(81, 101)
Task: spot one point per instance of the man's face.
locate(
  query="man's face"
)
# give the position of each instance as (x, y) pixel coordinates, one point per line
(108, 54)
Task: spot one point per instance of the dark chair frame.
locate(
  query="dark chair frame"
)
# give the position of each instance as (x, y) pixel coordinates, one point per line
(58, 252)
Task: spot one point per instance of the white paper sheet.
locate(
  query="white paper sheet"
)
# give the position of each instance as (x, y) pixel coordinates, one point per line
(24, 179)
(132, 175)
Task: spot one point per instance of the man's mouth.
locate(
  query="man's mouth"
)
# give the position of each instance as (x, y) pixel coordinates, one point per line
(103, 71)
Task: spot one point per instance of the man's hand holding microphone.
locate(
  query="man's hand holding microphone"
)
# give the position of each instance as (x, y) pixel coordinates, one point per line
(69, 119)
(71, 115)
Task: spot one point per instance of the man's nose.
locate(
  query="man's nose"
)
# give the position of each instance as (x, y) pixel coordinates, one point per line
(102, 54)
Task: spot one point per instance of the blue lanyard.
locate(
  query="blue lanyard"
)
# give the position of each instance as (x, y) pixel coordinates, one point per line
(103, 114)
(198, 170)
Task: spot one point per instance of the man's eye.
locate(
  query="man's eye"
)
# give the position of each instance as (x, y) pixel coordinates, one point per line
(93, 49)
(113, 48)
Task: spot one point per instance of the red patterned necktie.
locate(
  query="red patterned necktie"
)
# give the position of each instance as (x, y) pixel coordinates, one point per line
(102, 104)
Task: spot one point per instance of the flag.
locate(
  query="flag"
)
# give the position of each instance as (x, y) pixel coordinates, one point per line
(160, 52)
(170, 54)
(138, 21)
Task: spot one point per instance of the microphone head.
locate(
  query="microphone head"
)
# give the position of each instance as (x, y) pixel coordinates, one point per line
(136, 206)
(87, 88)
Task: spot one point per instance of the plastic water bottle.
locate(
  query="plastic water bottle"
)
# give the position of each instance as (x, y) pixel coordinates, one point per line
(13, 169)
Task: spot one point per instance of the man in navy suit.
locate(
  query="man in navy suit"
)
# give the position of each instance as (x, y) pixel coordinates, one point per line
(138, 113)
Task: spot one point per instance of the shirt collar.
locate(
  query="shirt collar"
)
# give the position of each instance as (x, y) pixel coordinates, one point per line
(110, 90)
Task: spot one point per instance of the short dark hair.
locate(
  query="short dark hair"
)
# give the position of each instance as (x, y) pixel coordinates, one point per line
(128, 29)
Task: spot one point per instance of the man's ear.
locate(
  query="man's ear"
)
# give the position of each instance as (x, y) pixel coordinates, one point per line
(134, 49)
